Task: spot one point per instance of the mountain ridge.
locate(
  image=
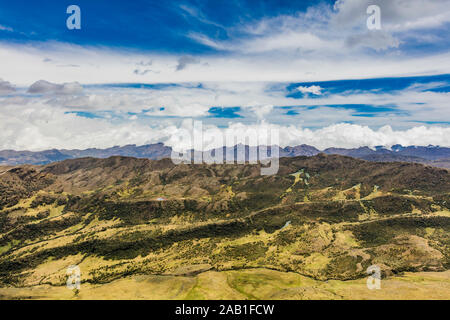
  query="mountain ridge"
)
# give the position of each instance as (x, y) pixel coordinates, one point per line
(430, 155)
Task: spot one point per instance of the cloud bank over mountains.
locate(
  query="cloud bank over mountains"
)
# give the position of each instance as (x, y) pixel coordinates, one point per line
(39, 126)
(328, 114)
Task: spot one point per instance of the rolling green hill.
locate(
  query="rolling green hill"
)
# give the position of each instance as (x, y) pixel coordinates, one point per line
(320, 219)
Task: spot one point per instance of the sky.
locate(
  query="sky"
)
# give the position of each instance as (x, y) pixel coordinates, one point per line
(139, 71)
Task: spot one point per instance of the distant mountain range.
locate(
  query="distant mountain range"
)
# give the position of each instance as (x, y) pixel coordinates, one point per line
(153, 151)
(430, 155)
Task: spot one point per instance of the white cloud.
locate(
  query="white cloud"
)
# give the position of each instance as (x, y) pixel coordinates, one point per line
(201, 38)
(376, 39)
(6, 87)
(40, 127)
(289, 40)
(45, 87)
(184, 61)
(5, 28)
(256, 100)
(25, 66)
(396, 15)
(316, 90)
(261, 111)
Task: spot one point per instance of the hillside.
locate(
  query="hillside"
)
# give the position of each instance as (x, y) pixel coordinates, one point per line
(321, 218)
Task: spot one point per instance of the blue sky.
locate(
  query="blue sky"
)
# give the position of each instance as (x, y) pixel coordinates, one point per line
(140, 24)
(138, 70)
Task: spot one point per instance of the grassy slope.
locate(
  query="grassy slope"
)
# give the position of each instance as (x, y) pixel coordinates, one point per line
(321, 218)
(245, 284)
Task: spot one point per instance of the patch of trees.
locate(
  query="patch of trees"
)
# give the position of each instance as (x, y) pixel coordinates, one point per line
(36, 230)
(389, 205)
(382, 232)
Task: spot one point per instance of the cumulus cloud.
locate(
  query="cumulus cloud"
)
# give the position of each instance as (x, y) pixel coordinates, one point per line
(45, 87)
(316, 90)
(261, 111)
(345, 135)
(6, 87)
(40, 127)
(184, 61)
